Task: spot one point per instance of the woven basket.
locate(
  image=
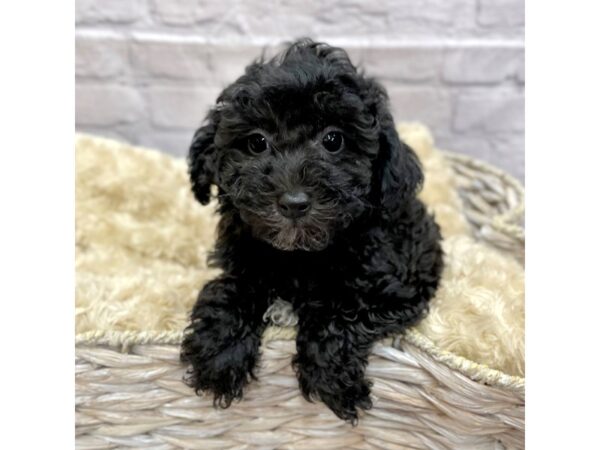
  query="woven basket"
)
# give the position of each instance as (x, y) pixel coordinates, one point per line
(129, 390)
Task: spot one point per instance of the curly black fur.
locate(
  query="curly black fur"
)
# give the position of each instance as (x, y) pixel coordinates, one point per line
(361, 264)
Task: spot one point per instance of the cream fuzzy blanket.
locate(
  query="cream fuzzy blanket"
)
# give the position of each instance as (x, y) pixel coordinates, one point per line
(142, 242)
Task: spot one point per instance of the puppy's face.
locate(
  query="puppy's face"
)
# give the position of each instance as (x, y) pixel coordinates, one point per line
(295, 147)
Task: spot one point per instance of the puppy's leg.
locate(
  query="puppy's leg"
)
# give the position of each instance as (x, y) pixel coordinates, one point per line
(222, 342)
(333, 348)
(331, 357)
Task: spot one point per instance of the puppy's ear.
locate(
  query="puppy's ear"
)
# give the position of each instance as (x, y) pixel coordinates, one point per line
(202, 158)
(399, 170)
(397, 173)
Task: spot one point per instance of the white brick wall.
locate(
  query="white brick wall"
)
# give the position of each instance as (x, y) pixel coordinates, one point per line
(147, 70)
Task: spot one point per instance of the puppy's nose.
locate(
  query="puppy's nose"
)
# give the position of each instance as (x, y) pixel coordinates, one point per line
(294, 205)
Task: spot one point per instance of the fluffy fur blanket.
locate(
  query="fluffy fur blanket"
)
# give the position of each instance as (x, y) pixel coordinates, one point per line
(142, 242)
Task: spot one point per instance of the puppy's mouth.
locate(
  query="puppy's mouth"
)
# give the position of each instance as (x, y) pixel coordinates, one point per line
(296, 235)
(308, 233)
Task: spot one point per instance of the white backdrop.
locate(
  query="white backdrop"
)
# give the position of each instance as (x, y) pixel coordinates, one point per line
(147, 70)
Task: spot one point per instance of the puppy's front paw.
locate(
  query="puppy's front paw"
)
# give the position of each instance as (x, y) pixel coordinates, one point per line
(345, 403)
(225, 372)
(341, 392)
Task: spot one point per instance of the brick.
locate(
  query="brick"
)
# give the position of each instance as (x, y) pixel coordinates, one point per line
(180, 108)
(470, 144)
(110, 133)
(521, 69)
(423, 18)
(107, 105)
(501, 13)
(481, 64)
(384, 18)
(490, 111)
(428, 13)
(403, 63)
(191, 59)
(431, 106)
(509, 154)
(176, 12)
(227, 17)
(174, 143)
(100, 56)
(505, 151)
(229, 62)
(171, 58)
(287, 19)
(347, 18)
(116, 11)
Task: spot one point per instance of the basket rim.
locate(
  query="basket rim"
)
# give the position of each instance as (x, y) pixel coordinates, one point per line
(506, 222)
(473, 370)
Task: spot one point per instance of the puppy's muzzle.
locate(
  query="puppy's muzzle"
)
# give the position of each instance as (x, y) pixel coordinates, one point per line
(294, 205)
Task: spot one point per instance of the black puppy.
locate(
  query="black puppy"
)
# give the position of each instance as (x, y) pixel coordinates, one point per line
(318, 207)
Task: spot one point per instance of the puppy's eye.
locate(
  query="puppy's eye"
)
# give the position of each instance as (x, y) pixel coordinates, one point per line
(333, 141)
(257, 144)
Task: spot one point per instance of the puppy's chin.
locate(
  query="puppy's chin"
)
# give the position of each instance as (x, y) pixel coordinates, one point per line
(298, 237)
(283, 234)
